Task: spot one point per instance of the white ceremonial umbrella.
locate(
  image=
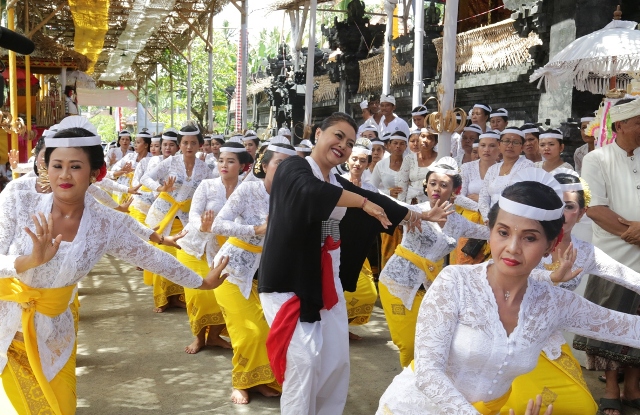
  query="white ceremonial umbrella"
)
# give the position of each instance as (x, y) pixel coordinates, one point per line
(590, 61)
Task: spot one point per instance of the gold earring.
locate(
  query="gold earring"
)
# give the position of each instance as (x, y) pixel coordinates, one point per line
(93, 179)
(43, 177)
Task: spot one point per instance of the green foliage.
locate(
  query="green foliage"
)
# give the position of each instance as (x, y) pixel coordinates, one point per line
(106, 126)
(267, 47)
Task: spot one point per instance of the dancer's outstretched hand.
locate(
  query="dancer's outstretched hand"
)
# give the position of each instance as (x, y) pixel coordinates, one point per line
(215, 277)
(533, 408)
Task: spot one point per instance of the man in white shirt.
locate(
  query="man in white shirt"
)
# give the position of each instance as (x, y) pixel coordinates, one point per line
(613, 175)
(390, 122)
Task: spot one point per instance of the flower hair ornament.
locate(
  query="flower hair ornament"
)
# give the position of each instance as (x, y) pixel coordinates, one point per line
(362, 146)
(533, 174)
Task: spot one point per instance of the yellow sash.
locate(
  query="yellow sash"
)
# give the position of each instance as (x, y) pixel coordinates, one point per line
(472, 215)
(485, 408)
(144, 189)
(246, 246)
(431, 269)
(175, 206)
(48, 301)
(221, 240)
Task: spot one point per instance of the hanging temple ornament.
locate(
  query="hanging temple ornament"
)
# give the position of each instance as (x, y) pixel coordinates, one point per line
(447, 122)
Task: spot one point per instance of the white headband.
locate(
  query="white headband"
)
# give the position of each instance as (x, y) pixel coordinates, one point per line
(196, 132)
(484, 107)
(155, 139)
(422, 111)
(51, 142)
(533, 174)
(552, 135)
(123, 133)
(230, 149)
(474, 128)
(445, 161)
(398, 137)
(569, 187)
(303, 149)
(364, 105)
(169, 137)
(448, 172)
(500, 112)
(207, 138)
(388, 98)
(587, 119)
(282, 150)
(143, 134)
(360, 150)
(475, 145)
(530, 130)
(625, 111)
(490, 134)
(249, 137)
(515, 131)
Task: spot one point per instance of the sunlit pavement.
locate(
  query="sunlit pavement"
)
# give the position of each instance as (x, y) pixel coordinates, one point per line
(131, 361)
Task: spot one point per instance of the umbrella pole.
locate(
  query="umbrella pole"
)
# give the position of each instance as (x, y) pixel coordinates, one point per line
(311, 56)
(448, 80)
(13, 78)
(417, 53)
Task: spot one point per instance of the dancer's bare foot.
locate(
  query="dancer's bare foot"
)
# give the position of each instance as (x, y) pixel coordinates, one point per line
(217, 341)
(176, 302)
(266, 391)
(197, 344)
(353, 336)
(240, 396)
(161, 309)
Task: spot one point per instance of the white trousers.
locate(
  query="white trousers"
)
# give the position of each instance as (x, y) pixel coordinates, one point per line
(316, 379)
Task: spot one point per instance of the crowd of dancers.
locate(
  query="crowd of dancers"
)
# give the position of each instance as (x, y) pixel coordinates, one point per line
(275, 249)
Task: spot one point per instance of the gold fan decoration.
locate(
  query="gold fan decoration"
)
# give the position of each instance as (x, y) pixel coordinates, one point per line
(447, 122)
(9, 125)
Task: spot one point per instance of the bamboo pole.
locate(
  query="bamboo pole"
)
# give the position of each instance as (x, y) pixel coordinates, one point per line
(13, 77)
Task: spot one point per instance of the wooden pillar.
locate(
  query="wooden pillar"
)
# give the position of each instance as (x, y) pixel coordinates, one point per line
(13, 77)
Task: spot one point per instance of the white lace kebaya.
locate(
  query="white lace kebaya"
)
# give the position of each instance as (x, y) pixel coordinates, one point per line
(494, 184)
(248, 206)
(463, 353)
(101, 231)
(471, 184)
(210, 195)
(410, 178)
(184, 188)
(402, 277)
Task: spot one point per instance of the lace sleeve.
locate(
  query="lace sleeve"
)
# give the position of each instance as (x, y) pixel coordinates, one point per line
(109, 185)
(224, 224)
(139, 171)
(8, 212)
(151, 179)
(125, 245)
(604, 266)
(23, 168)
(462, 200)
(474, 230)
(580, 316)
(102, 196)
(437, 321)
(402, 178)
(484, 199)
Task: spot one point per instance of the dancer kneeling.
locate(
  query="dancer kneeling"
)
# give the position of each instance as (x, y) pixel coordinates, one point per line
(480, 326)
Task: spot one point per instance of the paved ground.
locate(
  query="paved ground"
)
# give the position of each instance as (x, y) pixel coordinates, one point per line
(131, 361)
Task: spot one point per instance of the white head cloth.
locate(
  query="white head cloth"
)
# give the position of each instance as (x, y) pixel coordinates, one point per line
(393, 136)
(490, 134)
(235, 139)
(474, 128)
(475, 145)
(362, 146)
(75, 121)
(419, 110)
(500, 112)
(231, 149)
(484, 107)
(121, 133)
(250, 135)
(557, 134)
(437, 166)
(284, 131)
(207, 137)
(569, 187)
(529, 129)
(169, 137)
(388, 98)
(533, 174)
(280, 140)
(282, 150)
(625, 111)
(586, 119)
(513, 130)
(196, 132)
(144, 134)
(156, 138)
(364, 105)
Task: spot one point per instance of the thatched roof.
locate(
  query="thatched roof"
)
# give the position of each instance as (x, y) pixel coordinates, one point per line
(290, 4)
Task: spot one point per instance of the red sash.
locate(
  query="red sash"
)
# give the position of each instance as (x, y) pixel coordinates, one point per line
(284, 324)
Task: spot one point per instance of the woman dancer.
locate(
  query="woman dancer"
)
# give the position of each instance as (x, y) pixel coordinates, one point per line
(243, 220)
(175, 179)
(480, 115)
(49, 242)
(551, 147)
(123, 146)
(499, 176)
(360, 302)
(308, 343)
(473, 175)
(420, 257)
(123, 171)
(470, 135)
(495, 318)
(384, 177)
(415, 167)
(200, 245)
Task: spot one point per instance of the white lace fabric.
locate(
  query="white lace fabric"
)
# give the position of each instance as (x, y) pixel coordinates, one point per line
(248, 206)
(410, 178)
(471, 184)
(578, 156)
(184, 187)
(210, 195)
(463, 353)
(402, 277)
(494, 184)
(101, 231)
(383, 177)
